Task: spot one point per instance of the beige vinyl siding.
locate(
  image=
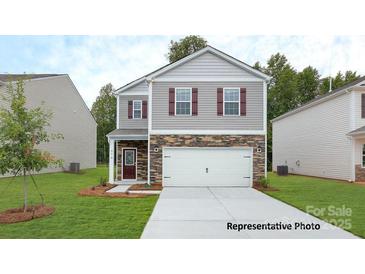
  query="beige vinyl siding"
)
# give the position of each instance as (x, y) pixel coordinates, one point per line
(207, 65)
(141, 88)
(3, 94)
(124, 122)
(207, 118)
(71, 118)
(316, 137)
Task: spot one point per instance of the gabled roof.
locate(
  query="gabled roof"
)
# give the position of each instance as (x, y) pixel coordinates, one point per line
(319, 99)
(173, 65)
(14, 77)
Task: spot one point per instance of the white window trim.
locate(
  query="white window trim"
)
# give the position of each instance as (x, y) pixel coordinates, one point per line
(191, 101)
(239, 102)
(140, 109)
(362, 155)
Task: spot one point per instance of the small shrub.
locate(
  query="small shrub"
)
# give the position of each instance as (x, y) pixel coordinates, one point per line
(102, 181)
(264, 182)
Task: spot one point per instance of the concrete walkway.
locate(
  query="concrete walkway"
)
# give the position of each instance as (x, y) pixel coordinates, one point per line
(118, 189)
(204, 213)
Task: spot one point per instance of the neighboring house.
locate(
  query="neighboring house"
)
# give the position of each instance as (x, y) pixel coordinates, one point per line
(325, 137)
(200, 121)
(71, 116)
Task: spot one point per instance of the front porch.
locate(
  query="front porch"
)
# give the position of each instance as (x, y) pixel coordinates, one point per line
(358, 142)
(128, 156)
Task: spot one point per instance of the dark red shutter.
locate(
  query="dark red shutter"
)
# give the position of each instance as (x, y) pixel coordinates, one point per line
(130, 109)
(363, 105)
(194, 102)
(171, 101)
(144, 109)
(243, 101)
(220, 101)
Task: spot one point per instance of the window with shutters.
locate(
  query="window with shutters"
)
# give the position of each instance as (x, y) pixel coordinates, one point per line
(363, 155)
(137, 109)
(183, 101)
(231, 101)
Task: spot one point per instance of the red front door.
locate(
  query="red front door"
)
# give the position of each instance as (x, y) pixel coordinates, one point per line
(129, 163)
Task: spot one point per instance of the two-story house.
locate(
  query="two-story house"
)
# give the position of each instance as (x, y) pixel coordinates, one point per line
(200, 121)
(325, 137)
(71, 116)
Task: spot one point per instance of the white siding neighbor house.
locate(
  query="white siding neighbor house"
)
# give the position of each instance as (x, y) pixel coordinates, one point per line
(71, 116)
(200, 121)
(325, 137)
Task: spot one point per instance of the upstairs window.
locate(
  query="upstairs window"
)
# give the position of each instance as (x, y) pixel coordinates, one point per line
(137, 109)
(231, 101)
(183, 101)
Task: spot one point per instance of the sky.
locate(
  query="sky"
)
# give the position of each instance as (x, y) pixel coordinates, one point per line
(93, 61)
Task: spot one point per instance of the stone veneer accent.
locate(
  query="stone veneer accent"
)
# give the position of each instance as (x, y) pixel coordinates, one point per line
(159, 141)
(359, 173)
(142, 157)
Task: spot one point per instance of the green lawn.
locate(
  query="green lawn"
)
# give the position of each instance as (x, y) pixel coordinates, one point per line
(301, 191)
(76, 216)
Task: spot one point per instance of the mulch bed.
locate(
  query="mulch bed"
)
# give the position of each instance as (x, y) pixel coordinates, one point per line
(154, 186)
(100, 191)
(261, 188)
(16, 215)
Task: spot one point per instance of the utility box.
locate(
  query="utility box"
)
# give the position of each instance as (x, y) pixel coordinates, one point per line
(282, 170)
(75, 167)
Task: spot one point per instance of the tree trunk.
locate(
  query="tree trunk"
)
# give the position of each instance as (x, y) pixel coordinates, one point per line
(25, 188)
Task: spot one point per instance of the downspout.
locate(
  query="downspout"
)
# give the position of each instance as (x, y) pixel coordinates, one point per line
(352, 127)
(149, 104)
(265, 122)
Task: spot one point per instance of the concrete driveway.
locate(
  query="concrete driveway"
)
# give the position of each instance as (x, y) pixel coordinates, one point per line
(206, 211)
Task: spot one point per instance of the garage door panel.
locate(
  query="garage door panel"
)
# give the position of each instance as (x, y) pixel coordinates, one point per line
(207, 167)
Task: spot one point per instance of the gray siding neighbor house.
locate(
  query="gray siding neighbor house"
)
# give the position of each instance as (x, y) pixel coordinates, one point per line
(71, 116)
(200, 121)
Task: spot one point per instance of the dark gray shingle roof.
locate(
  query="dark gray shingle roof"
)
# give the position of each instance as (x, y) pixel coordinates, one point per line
(353, 83)
(14, 77)
(126, 132)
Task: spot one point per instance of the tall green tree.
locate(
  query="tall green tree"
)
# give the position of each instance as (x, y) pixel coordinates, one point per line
(282, 88)
(185, 46)
(282, 91)
(308, 82)
(338, 81)
(104, 112)
(22, 129)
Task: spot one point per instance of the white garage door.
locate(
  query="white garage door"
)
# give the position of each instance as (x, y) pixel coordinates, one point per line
(207, 166)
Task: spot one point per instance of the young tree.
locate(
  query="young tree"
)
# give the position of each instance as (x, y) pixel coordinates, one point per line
(21, 130)
(104, 111)
(184, 47)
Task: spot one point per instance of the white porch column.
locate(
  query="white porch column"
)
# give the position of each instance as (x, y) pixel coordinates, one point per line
(111, 160)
